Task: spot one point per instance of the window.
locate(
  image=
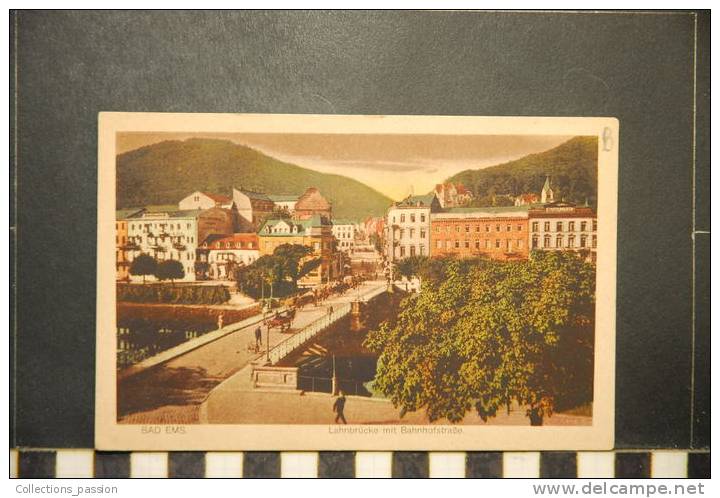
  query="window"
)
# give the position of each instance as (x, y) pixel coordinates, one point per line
(467, 244)
(508, 228)
(402, 218)
(422, 234)
(467, 228)
(534, 242)
(422, 250)
(558, 241)
(477, 244)
(508, 244)
(546, 226)
(519, 243)
(412, 233)
(457, 228)
(583, 240)
(546, 241)
(571, 226)
(487, 243)
(402, 251)
(594, 241)
(571, 241)
(497, 243)
(422, 218)
(535, 226)
(412, 250)
(393, 219)
(519, 228)
(487, 228)
(316, 246)
(402, 233)
(583, 226)
(559, 226)
(412, 217)
(594, 225)
(477, 228)
(457, 244)
(437, 229)
(497, 228)
(447, 228)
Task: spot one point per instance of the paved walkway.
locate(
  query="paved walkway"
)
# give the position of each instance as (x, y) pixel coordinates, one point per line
(172, 392)
(234, 402)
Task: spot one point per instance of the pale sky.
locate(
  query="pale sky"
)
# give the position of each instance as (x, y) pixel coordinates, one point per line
(391, 164)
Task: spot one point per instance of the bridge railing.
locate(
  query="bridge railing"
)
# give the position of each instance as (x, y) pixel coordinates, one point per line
(284, 348)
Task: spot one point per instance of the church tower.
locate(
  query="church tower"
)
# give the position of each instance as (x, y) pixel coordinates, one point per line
(547, 195)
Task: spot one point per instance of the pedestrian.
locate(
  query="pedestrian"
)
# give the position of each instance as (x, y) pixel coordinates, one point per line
(220, 321)
(258, 337)
(330, 311)
(339, 408)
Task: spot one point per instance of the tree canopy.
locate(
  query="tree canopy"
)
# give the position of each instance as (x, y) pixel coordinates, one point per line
(143, 265)
(170, 269)
(277, 273)
(482, 334)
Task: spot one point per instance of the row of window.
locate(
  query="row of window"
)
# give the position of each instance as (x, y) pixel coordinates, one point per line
(486, 244)
(233, 245)
(400, 234)
(412, 251)
(560, 226)
(487, 227)
(412, 217)
(145, 227)
(559, 242)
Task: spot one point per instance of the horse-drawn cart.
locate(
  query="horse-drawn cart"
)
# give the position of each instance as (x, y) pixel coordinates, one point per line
(282, 321)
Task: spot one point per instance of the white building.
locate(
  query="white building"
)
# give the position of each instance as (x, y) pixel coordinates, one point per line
(407, 223)
(222, 253)
(547, 195)
(562, 226)
(169, 234)
(204, 200)
(345, 233)
(253, 208)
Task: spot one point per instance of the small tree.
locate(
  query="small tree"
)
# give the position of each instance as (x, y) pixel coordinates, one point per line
(169, 270)
(144, 265)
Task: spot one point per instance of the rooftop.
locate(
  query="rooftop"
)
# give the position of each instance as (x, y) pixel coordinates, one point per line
(283, 198)
(417, 200)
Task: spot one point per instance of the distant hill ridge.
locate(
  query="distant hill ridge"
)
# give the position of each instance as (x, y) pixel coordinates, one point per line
(572, 166)
(165, 172)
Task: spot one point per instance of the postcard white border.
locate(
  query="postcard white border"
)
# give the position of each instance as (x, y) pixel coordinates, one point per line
(109, 435)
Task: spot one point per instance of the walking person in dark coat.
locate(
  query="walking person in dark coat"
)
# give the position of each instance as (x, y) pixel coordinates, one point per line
(258, 337)
(339, 408)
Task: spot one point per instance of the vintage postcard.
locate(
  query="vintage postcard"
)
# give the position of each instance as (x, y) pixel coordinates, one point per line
(302, 282)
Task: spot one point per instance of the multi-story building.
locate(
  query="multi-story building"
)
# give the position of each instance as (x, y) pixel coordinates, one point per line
(563, 226)
(253, 208)
(175, 234)
(123, 247)
(407, 223)
(345, 232)
(222, 253)
(452, 195)
(314, 232)
(204, 200)
(312, 203)
(496, 232)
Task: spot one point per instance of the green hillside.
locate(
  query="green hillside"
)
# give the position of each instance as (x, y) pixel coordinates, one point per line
(572, 166)
(165, 172)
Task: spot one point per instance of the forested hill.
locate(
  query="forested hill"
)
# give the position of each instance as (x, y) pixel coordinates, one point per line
(165, 172)
(572, 166)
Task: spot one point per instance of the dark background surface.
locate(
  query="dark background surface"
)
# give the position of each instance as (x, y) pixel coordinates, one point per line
(637, 67)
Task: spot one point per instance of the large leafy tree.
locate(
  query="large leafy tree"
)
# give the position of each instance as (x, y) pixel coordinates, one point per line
(290, 256)
(170, 269)
(143, 265)
(482, 334)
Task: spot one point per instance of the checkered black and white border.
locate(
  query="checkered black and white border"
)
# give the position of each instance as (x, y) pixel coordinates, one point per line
(77, 463)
